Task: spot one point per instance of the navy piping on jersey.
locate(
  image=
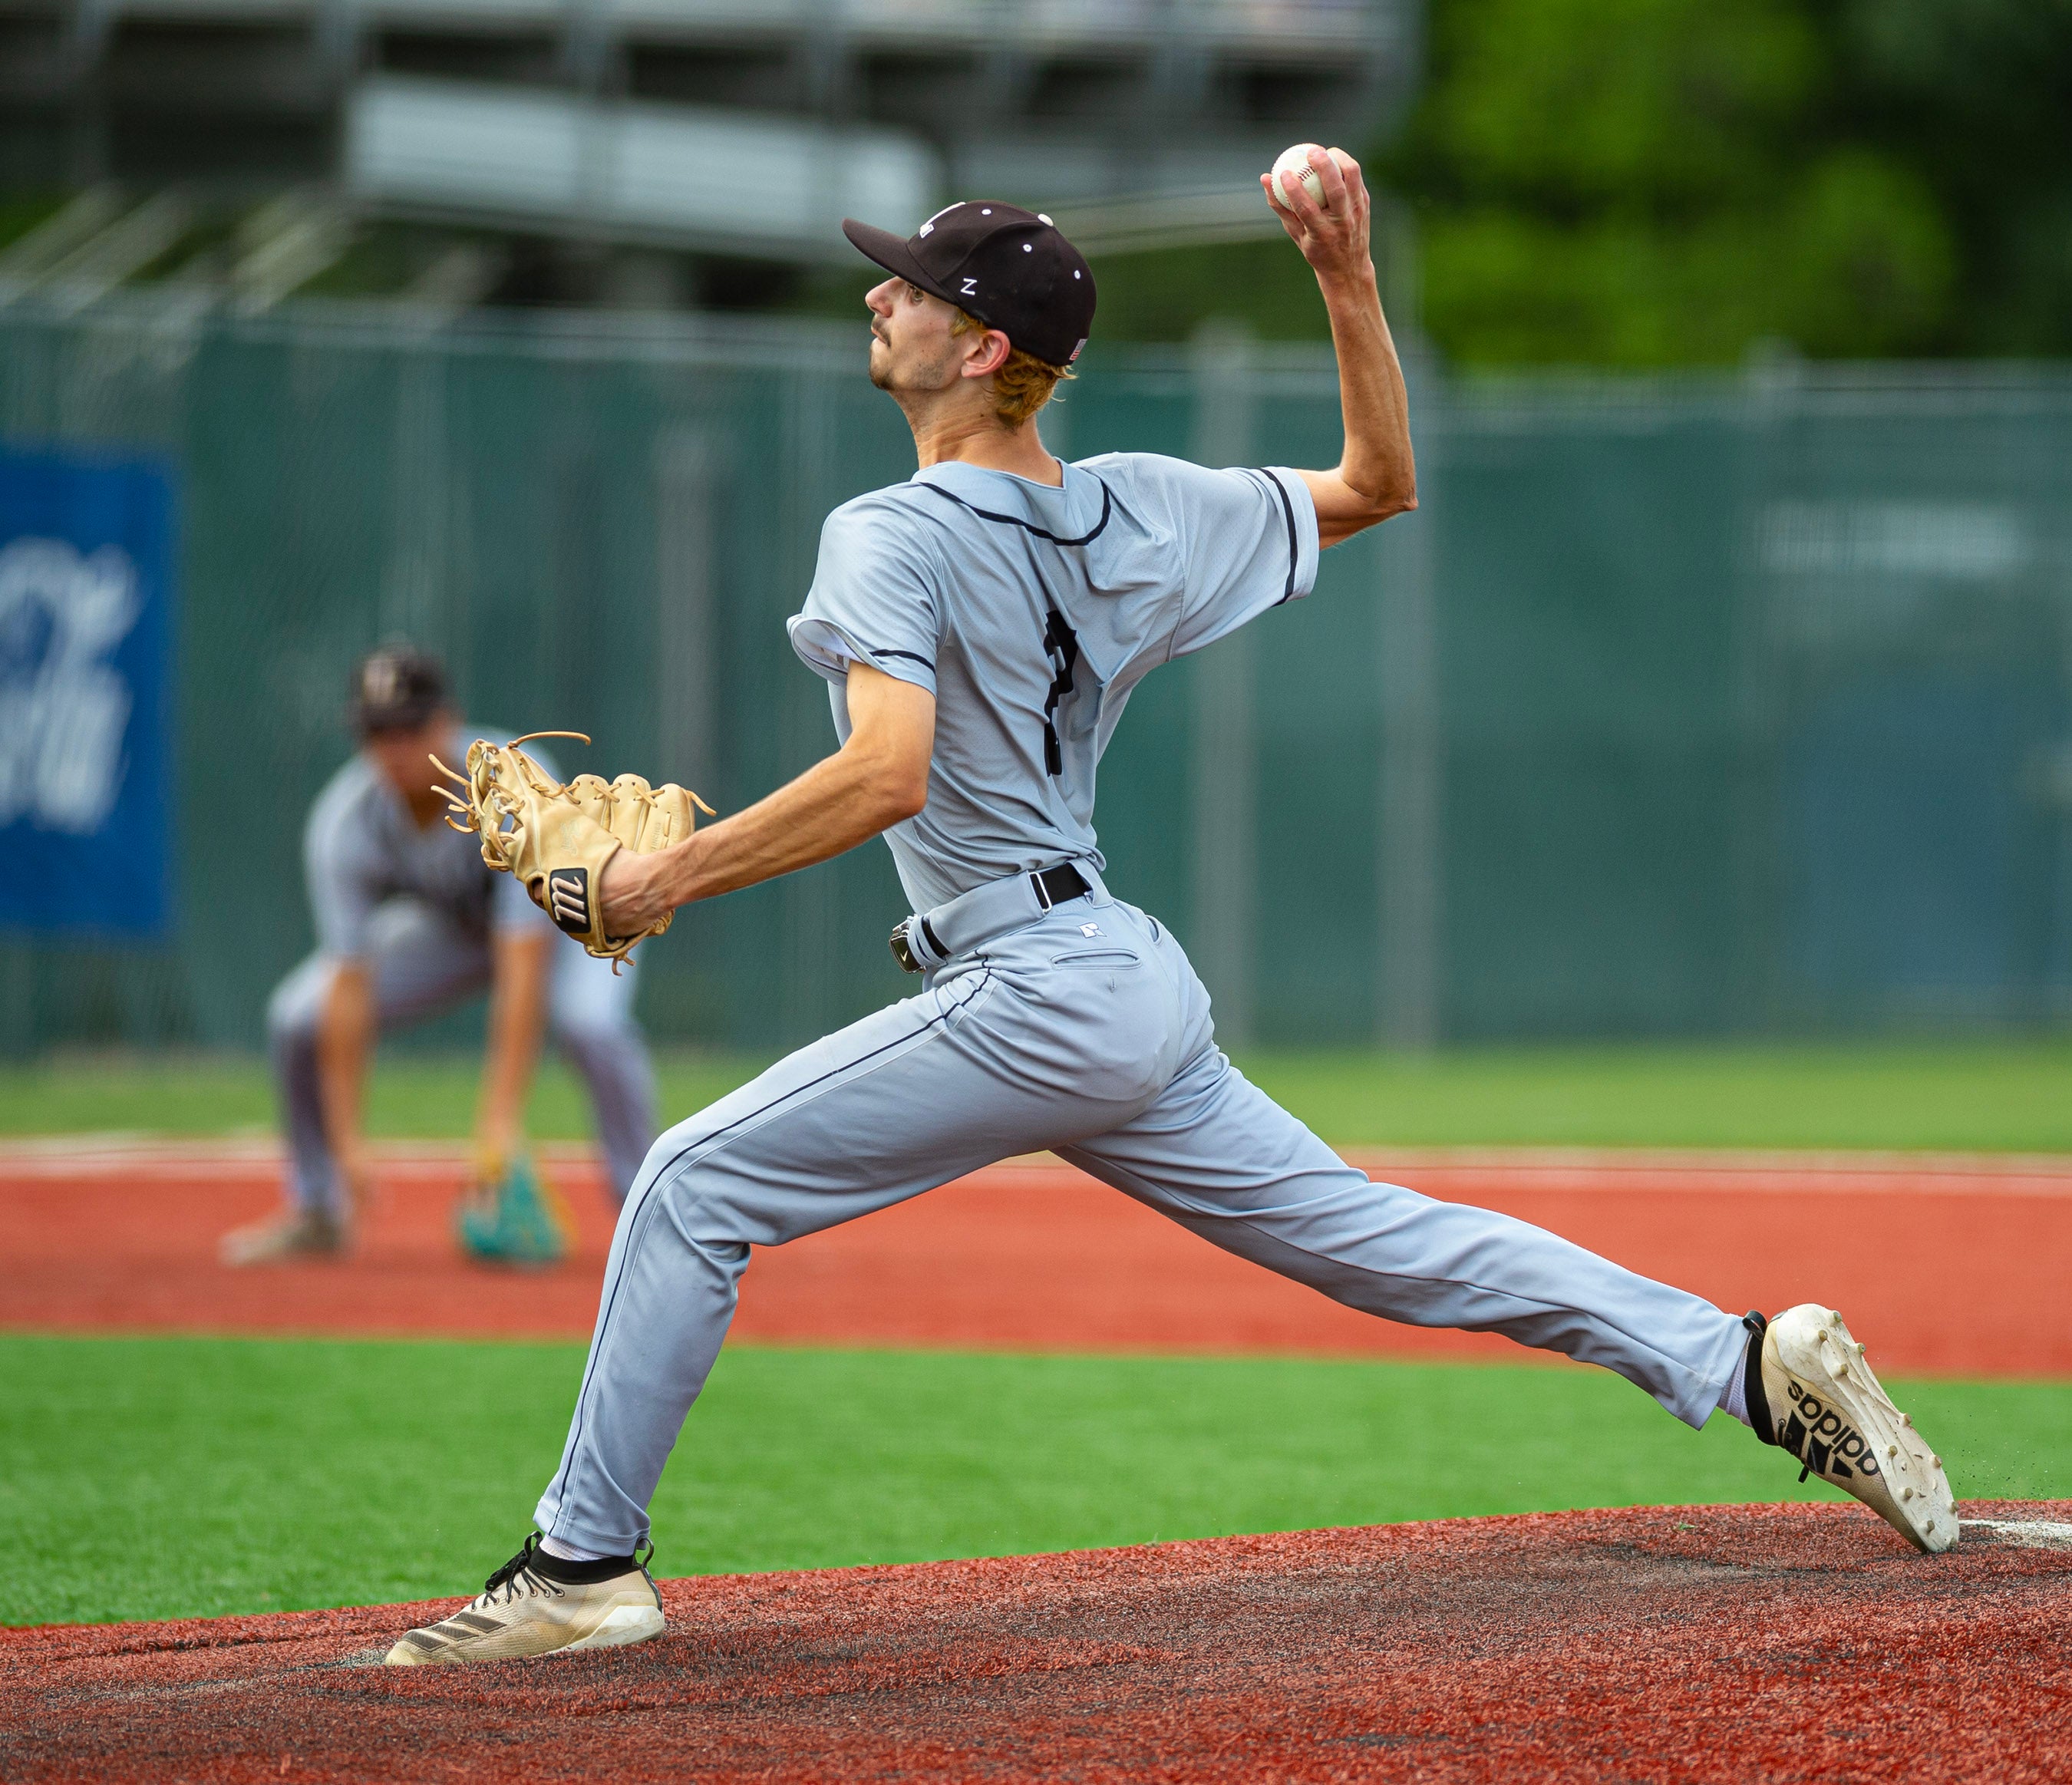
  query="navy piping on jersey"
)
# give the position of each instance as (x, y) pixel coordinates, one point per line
(1107, 503)
(1288, 513)
(911, 656)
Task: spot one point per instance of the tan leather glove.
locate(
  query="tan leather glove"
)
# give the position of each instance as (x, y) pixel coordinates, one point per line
(557, 838)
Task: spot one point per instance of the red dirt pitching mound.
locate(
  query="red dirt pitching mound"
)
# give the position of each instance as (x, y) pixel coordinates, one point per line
(1730, 1645)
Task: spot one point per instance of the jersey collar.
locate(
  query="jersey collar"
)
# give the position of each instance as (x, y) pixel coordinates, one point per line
(1070, 507)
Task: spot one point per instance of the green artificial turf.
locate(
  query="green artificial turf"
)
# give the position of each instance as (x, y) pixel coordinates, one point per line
(160, 1478)
(1985, 1096)
(409, 1096)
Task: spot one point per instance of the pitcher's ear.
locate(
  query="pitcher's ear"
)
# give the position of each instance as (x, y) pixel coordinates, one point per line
(992, 357)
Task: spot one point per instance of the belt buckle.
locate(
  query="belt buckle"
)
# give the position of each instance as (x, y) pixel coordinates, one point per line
(902, 951)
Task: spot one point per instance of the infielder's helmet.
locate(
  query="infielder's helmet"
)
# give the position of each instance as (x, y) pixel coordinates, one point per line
(1008, 267)
(396, 687)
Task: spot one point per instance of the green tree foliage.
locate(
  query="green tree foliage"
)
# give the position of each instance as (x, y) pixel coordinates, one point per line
(1644, 183)
(1977, 95)
(1656, 182)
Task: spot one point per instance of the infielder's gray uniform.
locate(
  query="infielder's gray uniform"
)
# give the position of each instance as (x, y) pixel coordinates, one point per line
(419, 907)
(1031, 612)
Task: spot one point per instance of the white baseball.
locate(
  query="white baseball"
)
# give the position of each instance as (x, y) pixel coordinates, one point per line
(1295, 162)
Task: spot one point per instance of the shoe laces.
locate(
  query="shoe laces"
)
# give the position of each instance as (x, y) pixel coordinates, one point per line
(517, 1579)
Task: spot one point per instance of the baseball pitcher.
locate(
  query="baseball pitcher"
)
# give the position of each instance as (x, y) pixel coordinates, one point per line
(980, 628)
(410, 922)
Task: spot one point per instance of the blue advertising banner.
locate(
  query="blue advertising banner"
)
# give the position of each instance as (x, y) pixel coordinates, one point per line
(85, 648)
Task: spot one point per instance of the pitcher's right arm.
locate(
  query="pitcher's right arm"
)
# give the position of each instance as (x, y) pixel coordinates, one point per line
(1376, 475)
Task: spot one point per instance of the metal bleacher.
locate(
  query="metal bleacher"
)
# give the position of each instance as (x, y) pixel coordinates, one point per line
(723, 127)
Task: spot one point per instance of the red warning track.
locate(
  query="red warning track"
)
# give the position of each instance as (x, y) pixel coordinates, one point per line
(1951, 1265)
(1752, 1643)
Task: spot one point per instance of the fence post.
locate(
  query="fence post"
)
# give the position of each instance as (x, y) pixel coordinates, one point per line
(1410, 870)
(810, 972)
(1224, 768)
(421, 598)
(684, 683)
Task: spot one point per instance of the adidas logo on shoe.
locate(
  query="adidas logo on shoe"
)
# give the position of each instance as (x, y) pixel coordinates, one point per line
(1811, 1391)
(1821, 1439)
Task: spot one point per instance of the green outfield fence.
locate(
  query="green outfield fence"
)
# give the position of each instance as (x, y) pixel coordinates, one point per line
(1684, 706)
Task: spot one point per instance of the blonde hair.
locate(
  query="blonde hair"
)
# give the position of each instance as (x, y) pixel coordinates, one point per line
(1023, 384)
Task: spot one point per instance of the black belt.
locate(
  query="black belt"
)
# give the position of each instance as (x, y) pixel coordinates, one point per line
(1053, 887)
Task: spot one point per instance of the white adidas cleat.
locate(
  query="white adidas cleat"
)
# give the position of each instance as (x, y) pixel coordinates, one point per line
(1809, 1391)
(525, 1609)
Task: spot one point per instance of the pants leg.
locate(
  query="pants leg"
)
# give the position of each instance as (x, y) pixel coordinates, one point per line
(420, 964)
(292, 1014)
(993, 1060)
(1218, 1155)
(1093, 1039)
(590, 1010)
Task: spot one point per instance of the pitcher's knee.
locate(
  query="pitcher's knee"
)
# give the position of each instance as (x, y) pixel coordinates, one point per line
(696, 1194)
(697, 1208)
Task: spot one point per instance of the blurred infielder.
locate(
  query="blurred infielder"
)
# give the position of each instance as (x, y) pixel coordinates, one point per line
(410, 922)
(981, 627)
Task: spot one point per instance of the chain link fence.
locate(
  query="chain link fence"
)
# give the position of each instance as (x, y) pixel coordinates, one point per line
(1681, 707)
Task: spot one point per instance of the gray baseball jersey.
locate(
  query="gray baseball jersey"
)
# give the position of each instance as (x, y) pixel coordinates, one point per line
(1031, 613)
(362, 848)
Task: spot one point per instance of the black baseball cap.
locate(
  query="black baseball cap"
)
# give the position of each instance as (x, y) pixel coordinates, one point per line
(1009, 267)
(396, 687)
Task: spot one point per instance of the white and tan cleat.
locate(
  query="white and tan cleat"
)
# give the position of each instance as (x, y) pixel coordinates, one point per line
(525, 1609)
(1809, 1391)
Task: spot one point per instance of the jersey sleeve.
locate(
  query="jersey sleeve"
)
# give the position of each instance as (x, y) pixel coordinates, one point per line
(875, 597)
(512, 912)
(1248, 542)
(342, 896)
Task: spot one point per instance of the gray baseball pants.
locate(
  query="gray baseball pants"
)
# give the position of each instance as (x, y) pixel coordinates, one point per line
(420, 964)
(1087, 1032)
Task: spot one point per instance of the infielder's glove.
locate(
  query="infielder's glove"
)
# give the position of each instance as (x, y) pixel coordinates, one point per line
(511, 1215)
(557, 838)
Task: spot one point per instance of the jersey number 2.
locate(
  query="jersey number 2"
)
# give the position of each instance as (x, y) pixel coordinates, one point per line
(1061, 644)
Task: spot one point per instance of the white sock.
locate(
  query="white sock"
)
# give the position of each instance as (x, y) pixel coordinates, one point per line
(1734, 1398)
(568, 1552)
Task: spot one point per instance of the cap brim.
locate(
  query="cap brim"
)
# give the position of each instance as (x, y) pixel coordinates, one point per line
(365, 725)
(891, 253)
